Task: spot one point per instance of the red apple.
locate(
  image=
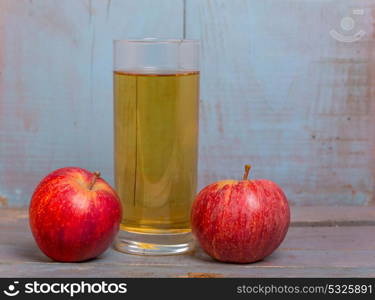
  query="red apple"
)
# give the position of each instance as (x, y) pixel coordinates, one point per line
(240, 221)
(74, 215)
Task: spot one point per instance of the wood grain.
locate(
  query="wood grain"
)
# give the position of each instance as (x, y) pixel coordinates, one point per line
(278, 91)
(56, 83)
(306, 252)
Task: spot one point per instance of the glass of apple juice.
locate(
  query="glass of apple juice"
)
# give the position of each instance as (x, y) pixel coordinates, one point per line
(156, 101)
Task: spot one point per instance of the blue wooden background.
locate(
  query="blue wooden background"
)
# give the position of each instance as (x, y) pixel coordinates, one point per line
(282, 89)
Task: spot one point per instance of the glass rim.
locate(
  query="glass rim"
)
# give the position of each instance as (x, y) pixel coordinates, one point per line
(157, 41)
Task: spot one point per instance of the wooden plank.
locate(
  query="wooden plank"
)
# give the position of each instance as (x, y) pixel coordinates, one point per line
(279, 92)
(333, 215)
(56, 82)
(306, 252)
(86, 270)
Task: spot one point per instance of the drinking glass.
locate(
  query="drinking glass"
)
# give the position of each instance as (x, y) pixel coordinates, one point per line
(156, 101)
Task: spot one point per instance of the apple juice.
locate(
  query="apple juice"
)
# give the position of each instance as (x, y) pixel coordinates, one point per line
(156, 136)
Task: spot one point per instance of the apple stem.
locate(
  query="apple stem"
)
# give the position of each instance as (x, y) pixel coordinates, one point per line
(247, 170)
(96, 176)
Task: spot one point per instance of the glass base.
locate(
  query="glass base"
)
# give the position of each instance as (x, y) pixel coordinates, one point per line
(154, 244)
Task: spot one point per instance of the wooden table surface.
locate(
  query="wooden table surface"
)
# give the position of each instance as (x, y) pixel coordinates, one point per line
(322, 242)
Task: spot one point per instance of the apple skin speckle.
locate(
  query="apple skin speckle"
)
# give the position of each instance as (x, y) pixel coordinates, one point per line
(74, 215)
(240, 221)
